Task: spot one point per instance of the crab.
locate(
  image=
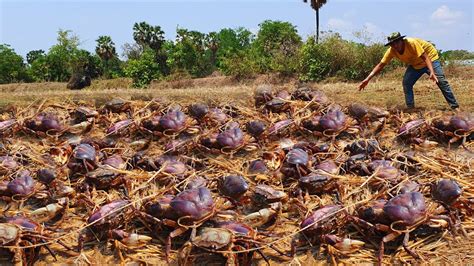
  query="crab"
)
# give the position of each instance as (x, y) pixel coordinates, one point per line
(309, 94)
(18, 234)
(399, 216)
(371, 118)
(8, 164)
(170, 124)
(229, 141)
(44, 124)
(113, 215)
(320, 226)
(117, 106)
(8, 127)
(106, 179)
(224, 238)
(297, 163)
(454, 128)
(191, 207)
(413, 131)
(233, 186)
(83, 159)
(448, 193)
(22, 187)
(121, 128)
(318, 184)
(331, 124)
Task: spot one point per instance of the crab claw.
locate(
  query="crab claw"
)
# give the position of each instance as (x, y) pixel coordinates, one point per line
(438, 223)
(129, 239)
(193, 130)
(345, 245)
(251, 147)
(262, 216)
(51, 210)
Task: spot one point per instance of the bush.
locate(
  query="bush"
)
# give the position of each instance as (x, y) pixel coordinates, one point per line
(335, 57)
(276, 47)
(240, 65)
(143, 70)
(12, 67)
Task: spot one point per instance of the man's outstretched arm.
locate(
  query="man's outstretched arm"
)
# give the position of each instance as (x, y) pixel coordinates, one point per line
(374, 72)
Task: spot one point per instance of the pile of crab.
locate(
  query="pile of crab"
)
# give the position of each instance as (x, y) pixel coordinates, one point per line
(292, 178)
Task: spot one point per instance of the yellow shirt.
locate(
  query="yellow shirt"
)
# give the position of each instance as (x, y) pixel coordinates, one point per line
(414, 48)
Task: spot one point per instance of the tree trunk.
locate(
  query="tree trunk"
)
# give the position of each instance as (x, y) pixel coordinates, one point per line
(317, 25)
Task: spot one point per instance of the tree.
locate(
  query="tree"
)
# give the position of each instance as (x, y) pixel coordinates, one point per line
(276, 47)
(146, 35)
(233, 50)
(316, 5)
(105, 49)
(190, 53)
(31, 56)
(132, 50)
(143, 70)
(212, 43)
(60, 59)
(12, 67)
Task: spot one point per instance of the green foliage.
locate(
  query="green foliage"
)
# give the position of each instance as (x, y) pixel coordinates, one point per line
(276, 47)
(143, 70)
(457, 55)
(132, 50)
(148, 36)
(105, 49)
(12, 67)
(31, 56)
(335, 57)
(191, 53)
(238, 64)
(233, 45)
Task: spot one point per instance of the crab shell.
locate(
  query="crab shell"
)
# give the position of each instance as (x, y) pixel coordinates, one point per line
(194, 204)
(173, 121)
(108, 212)
(234, 186)
(408, 208)
(446, 191)
(333, 121)
(232, 138)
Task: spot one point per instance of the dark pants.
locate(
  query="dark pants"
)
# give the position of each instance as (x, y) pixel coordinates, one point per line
(411, 77)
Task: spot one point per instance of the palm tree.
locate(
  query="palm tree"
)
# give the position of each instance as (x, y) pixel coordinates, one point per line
(105, 49)
(316, 5)
(146, 35)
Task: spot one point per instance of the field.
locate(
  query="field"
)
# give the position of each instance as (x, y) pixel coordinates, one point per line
(383, 92)
(425, 162)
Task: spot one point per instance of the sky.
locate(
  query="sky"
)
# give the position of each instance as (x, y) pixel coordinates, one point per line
(29, 25)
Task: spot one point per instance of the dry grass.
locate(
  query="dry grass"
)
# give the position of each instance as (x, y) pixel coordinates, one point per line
(384, 92)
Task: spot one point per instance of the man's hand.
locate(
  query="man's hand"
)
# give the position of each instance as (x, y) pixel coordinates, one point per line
(434, 78)
(363, 84)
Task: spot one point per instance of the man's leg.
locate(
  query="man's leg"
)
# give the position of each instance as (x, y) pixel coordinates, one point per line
(410, 78)
(443, 85)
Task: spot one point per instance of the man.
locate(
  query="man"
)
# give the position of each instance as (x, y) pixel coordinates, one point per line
(421, 57)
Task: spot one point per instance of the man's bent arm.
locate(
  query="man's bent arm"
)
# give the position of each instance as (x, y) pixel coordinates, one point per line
(429, 64)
